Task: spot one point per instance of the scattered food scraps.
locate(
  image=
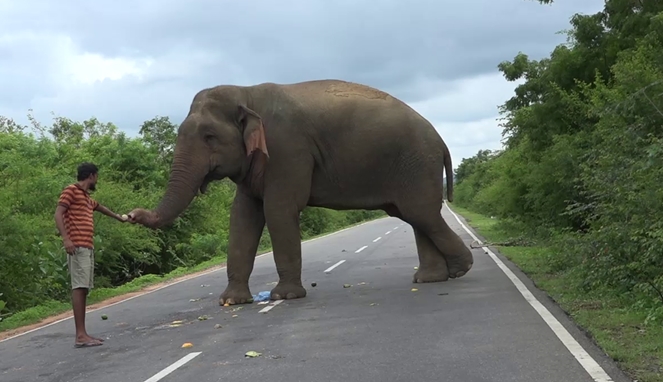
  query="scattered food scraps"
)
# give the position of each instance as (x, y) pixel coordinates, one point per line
(252, 354)
(104, 317)
(217, 326)
(234, 315)
(373, 304)
(187, 345)
(226, 304)
(416, 268)
(362, 283)
(203, 317)
(414, 289)
(314, 284)
(263, 303)
(204, 285)
(177, 322)
(194, 299)
(237, 308)
(174, 325)
(346, 285)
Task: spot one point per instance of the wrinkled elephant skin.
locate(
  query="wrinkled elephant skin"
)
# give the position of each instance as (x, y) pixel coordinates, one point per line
(327, 143)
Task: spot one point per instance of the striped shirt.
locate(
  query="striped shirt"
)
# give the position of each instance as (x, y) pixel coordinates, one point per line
(78, 220)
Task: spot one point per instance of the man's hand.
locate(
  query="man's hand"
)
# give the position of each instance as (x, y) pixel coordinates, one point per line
(104, 210)
(69, 246)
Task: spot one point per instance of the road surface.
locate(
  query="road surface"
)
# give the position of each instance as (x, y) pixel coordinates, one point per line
(491, 325)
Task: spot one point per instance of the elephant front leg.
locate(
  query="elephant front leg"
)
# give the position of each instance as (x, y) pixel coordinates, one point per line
(247, 221)
(283, 225)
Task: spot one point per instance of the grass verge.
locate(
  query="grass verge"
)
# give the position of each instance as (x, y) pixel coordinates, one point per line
(614, 326)
(52, 308)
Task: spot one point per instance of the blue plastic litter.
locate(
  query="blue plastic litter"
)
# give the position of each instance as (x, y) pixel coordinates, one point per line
(262, 296)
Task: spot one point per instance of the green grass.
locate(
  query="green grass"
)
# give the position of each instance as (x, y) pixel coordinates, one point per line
(617, 329)
(51, 308)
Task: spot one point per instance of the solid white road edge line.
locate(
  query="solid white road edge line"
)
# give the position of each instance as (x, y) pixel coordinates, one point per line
(334, 266)
(361, 249)
(159, 376)
(181, 281)
(376, 240)
(586, 361)
(270, 306)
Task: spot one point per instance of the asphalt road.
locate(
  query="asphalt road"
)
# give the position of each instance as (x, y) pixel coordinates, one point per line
(480, 327)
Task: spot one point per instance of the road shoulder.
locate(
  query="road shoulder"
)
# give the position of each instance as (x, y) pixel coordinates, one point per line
(577, 332)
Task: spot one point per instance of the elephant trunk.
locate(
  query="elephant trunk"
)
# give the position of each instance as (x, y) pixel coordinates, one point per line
(186, 178)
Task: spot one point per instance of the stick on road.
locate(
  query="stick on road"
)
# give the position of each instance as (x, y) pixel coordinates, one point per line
(361, 322)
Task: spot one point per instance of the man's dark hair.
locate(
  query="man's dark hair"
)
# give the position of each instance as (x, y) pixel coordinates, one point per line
(86, 169)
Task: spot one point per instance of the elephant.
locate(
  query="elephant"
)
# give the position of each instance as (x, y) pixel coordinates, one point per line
(321, 143)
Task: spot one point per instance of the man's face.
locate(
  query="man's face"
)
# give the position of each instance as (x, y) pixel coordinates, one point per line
(93, 182)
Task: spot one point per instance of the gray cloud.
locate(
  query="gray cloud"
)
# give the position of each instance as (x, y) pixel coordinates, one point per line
(419, 51)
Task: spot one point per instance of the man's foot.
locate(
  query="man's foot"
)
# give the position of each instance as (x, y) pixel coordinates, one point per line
(97, 338)
(87, 344)
(87, 341)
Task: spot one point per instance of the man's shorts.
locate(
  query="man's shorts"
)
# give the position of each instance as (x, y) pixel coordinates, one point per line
(81, 268)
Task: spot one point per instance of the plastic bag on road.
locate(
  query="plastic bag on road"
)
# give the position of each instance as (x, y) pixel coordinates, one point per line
(262, 296)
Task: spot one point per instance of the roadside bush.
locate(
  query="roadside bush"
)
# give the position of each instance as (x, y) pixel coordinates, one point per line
(582, 164)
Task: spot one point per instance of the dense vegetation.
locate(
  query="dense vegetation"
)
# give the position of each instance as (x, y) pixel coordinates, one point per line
(36, 162)
(582, 163)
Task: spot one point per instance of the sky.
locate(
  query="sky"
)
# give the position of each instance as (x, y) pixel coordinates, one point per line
(127, 61)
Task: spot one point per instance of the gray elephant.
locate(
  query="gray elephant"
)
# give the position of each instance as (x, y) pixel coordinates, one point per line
(326, 143)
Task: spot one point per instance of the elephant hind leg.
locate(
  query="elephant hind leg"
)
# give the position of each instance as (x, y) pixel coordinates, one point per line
(427, 219)
(432, 264)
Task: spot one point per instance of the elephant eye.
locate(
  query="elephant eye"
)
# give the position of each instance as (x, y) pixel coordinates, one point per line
(211, 140)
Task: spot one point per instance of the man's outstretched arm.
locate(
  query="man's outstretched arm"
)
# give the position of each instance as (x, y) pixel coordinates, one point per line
(104, 210)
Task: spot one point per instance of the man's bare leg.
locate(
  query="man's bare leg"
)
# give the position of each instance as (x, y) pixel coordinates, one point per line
(78, 299)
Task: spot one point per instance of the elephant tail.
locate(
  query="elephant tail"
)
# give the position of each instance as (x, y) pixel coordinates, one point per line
(449, 173)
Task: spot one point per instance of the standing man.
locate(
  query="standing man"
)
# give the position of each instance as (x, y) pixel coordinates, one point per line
(74, 220)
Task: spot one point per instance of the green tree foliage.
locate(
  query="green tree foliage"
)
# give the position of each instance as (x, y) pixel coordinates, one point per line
(583, 153)
(37, 162)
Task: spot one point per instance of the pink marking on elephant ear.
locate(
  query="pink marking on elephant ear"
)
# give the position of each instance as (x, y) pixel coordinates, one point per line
(256, 139)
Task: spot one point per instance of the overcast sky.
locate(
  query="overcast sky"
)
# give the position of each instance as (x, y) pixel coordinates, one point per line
(127, 61)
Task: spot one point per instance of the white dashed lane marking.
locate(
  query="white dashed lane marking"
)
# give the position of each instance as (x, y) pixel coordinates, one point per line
(361, 249)
(270, 306)
(160, 375)
(376, 240)
(334, 266)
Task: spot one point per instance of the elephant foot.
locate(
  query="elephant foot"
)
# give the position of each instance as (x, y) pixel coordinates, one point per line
(460, 264)
(430, 275)
(236, 294)
(287, 292)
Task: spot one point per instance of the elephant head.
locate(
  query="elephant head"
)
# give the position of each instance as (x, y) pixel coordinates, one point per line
(219, 138)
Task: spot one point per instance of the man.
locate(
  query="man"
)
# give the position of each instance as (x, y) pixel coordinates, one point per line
(74, 220)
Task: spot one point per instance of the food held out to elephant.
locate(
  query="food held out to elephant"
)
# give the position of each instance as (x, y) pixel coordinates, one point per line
(326, 143)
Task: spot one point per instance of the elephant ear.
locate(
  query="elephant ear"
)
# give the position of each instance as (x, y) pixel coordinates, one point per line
(254, 131)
